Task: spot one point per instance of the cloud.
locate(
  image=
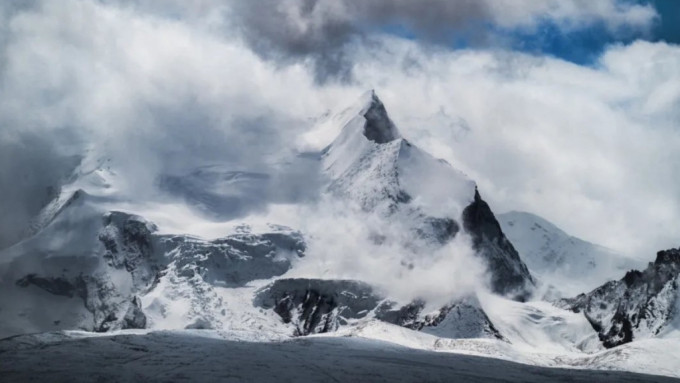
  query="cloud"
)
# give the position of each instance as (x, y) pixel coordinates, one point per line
(615, 15)
(155, 95)
(341, 244)
(593, 149)
(325, 32)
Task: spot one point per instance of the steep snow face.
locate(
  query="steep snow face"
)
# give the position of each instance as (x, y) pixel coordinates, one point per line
(363, 123)
(569, 264)
(370, 165)
(537, 325)
(641, 305)
(374, 166)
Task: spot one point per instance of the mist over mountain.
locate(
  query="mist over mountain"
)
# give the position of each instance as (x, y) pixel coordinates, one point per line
(309, 190)
(427, 255)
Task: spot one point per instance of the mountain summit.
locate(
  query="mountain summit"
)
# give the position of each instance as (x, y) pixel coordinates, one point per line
(370, 164)
(378, 126)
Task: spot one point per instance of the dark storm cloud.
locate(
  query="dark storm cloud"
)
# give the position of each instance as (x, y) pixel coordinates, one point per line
(326, 32)
(323, 30)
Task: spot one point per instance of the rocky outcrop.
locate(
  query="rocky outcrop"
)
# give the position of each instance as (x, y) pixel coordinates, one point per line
(314, 306)
(378, 128)
(110, 309)
(509, 275)
(236, 259)
(639, 305)
(128, 242)
(462, 319)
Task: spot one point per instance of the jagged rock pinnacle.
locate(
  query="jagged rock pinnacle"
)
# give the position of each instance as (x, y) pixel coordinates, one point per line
(378, 128)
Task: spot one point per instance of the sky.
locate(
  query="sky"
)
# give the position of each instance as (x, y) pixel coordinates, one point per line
(569, 110)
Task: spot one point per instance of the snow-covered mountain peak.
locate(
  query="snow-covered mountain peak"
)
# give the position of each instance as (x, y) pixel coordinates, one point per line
(370, 162)
(378, 126)
(373, 167)
(365, 126)
(571, 265)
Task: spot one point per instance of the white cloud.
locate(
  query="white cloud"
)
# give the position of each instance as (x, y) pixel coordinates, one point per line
(578, 14)
(593, 149)
(157, 95)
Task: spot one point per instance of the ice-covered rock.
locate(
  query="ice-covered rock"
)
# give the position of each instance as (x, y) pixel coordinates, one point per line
(312, 306)
(317, 305)
(640, 305)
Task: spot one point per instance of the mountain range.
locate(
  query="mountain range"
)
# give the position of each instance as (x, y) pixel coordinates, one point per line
(460, 278)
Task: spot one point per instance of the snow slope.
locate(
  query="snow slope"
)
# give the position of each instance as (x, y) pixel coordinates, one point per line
(569, 264)
(656, 356)
(186, 355)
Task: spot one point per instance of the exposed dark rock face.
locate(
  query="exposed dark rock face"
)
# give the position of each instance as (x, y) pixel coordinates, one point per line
(316, 305)
(134, 317)
(110, 309)
(509, 275)
(458, 320)
(406, 316)
(129, 244)
(640, 304)
(379, 128)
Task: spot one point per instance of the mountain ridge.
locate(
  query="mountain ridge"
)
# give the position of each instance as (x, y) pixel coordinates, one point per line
(569, 265)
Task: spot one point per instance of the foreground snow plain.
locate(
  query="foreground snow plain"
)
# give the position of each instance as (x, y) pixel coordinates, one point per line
(199, 355)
